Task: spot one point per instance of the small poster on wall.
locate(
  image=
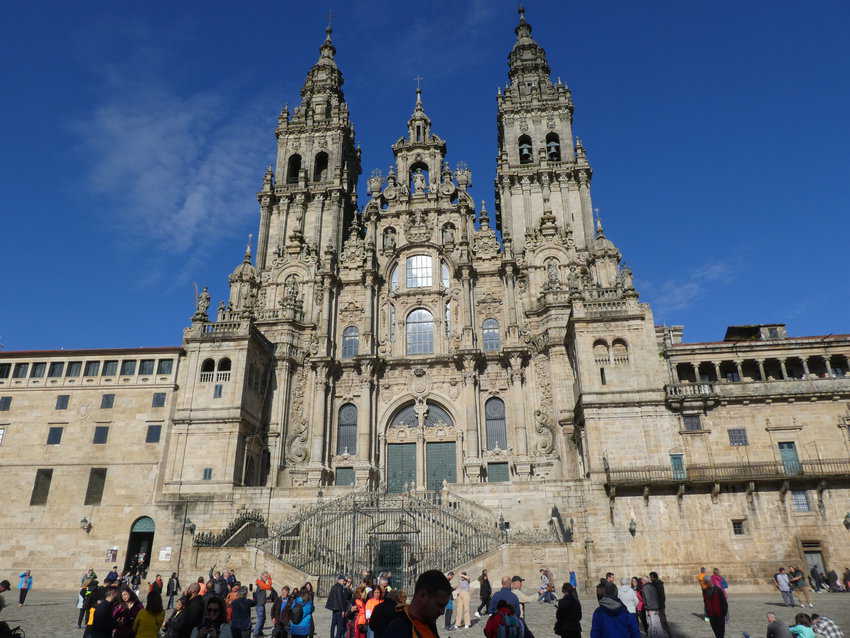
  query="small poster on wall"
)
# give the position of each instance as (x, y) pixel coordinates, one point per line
(111, 554)
(165, 554)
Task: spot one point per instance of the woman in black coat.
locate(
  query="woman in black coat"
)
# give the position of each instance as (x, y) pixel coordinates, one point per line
(486, 593)
(568, 616)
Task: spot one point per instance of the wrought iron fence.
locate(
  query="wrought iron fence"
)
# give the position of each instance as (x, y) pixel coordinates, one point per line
(210, 539)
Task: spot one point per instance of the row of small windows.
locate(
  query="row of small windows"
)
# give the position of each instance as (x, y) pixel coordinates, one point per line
(94, 490)
(526, 148)
(617, 353)
(320, 168)
(86, 368)
(100, 436)
(107, 401)
(218, 371)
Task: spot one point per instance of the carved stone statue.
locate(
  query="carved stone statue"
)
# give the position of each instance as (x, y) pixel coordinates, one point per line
(203, 304)
(290, 287)
(573, 280)
(626, 278)
(448, 234)
(418, 181)
(553, 277)
(389, 239)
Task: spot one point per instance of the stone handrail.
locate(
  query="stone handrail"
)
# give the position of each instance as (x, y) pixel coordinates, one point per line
(689, 389)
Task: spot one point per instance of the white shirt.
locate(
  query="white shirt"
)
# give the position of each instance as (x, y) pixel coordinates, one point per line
(628, 597)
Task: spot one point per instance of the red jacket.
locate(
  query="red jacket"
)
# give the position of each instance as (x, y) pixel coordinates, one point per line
(491, 629)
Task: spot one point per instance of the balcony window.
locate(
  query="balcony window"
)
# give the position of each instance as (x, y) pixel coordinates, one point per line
(56, 369)
(800, 501)
(74, 369)
(5, 370)
(164, 366)
(110, 368)
(146, 366)
(91, 369)
(738, 437)
(128, 368)
(38, 370)
(692, 422)
(419, 271)
(677, 465)
(21, 370)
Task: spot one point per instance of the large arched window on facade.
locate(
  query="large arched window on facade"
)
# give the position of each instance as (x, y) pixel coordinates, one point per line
(526, 151)
(207, 369)
(497, 431)
(350, 342)
(553, 147)
(293, 167)
(490, 332)
(419, 271)
(346, 439)
(420, 332)
(320, 167)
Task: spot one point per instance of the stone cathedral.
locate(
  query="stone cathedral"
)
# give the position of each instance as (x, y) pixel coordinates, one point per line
(418, 382)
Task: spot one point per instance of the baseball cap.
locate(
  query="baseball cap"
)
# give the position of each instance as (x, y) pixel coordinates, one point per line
(517, 579)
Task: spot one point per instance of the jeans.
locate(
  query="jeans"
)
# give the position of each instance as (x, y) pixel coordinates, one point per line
(337, 624)
(23, 596)
(787, 598)
(485, 604)
(449, 618)
(261, 620)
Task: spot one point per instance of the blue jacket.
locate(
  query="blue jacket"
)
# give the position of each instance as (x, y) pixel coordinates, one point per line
(24, 581)
(508, 596)
(612, 620)
(303, 628)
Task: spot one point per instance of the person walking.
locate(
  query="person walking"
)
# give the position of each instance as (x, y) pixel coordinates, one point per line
(338, 603)
(717, 609)
(568, 614)
(783, 584)
(611, 620)
(485, 591)
(24, 586)
(149, 620)
(800, 586)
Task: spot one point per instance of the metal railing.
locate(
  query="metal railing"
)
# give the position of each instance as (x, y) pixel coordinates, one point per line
(729, 472)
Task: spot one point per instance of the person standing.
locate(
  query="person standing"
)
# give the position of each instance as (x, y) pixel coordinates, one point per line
(102, 623)
(215, 623)
(611, 620)
(375, 599)
(783, 584)
(650, 598)
(817, 578)
(662, 600)
(193, 612)
(149, 620)
(717, 608)
(112, 576)
(24, 586)
(172, 589)
(486, 593)
(640, 608)
(125, 613)
(240, 614)
(462, 602)
(261, 593)
(800, 586)
(431, 594)
(506, 594)
(338, 603)
(627, 596)
(522, 597)
(704, 582)
(568, 614)
(303, 627)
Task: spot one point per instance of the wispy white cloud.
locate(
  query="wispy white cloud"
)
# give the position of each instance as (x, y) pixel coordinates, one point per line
(679, 293)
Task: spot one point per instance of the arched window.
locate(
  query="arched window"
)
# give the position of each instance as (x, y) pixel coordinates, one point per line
(394, 279)
(224, 365)
(320, 167)
(434, 416)
(497, 432)
(490, 331)
(346, 439)
(420, 332)
(526, 155)
(419, 271)
(207, 369)
(600, 352)
(293, 167)
(620, 352)
(553, 147)
(444, 274)
(350, 342)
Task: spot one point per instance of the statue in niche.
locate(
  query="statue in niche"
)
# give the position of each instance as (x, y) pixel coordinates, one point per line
(448, 234)
(203, 303)
(573, 281)
(626, 278)
(418, 181)
(389, 239)
(290, 287)
(553, 277)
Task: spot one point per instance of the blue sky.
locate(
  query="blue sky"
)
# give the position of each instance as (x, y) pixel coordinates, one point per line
(135, 135)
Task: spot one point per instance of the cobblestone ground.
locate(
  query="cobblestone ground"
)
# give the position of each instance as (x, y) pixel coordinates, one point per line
(54, 615)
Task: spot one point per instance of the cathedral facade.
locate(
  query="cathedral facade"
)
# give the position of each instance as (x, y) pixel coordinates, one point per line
(499, 367)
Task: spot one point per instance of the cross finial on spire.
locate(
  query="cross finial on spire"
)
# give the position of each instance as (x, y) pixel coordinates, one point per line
(247, 257)
(521, 10)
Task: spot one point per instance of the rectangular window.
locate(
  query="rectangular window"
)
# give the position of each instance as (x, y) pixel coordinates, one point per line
(97, 481)
(107, 401)
(419, 271)
(128, 368)
(344, 476)
(56, 368)
(5, 404)
(38, 370)
(498, 473)
(738, 437)
(208, 473)
(164, 366)
(602, 375)
(146, 366)
(800, 501)
(74, 369)
(677, 464)
(101, 433)
(5, 370)
(738, 528)
(158, 400)
(217, 391)
(110, 368)
(54, 435)
(62, 401)
(91, 368)
(691, 422)
(21, 370)
(153, 433)
(41, 487)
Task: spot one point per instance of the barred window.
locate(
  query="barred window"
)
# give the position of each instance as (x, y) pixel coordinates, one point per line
(350, 342)
(346, 440)
(800, 501)
(492, 340)
(420, 332)
(738, 437)
(497, 434)
(419, 271)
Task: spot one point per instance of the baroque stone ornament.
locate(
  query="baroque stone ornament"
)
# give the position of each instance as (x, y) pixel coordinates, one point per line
(298, 450)
(545, 443)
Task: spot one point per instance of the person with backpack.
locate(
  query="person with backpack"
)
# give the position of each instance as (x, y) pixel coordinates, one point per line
(611, 619)
(503, 623)
(301, 614)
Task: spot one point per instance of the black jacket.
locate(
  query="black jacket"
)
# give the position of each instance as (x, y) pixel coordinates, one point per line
(337, 599)
(662, 597)
(401, 627)
(568, 616)
(486, 589)
(192, 616)
(382, 616)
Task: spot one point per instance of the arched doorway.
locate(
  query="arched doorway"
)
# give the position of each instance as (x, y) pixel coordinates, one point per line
(140, 543)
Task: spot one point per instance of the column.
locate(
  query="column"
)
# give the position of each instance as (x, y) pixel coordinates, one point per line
(470, 379)
(281, 408)
(761, 369)
(674, 370)
(805, 367)
(320, 389)
(738, 370)
(784, 370)
(262, 240)
(369, 334)
(420, 458)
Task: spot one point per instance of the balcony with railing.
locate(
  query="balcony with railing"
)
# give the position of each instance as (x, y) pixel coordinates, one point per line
(741, 472)
(733, 390)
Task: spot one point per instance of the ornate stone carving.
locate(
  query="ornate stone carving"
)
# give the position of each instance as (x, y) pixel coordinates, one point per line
(545, 443)
(417, 228)
(489, 305)
(202, 306)
(298, 450)
(485, 245)
(351, 311)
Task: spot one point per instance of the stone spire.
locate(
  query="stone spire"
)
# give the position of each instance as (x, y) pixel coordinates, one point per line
(419, 124)
(324, 78)
(527, 59)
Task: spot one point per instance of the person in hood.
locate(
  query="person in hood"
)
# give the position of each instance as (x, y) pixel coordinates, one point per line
(611, 619)
(568, 616)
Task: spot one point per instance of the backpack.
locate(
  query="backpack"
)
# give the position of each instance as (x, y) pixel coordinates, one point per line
(296, 613)
(509, 627)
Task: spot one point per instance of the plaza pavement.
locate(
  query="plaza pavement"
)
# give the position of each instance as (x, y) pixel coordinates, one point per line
(52, 614)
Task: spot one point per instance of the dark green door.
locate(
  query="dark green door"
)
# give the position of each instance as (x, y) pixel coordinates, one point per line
(440, 464)
(401, 466)
(390, 559)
